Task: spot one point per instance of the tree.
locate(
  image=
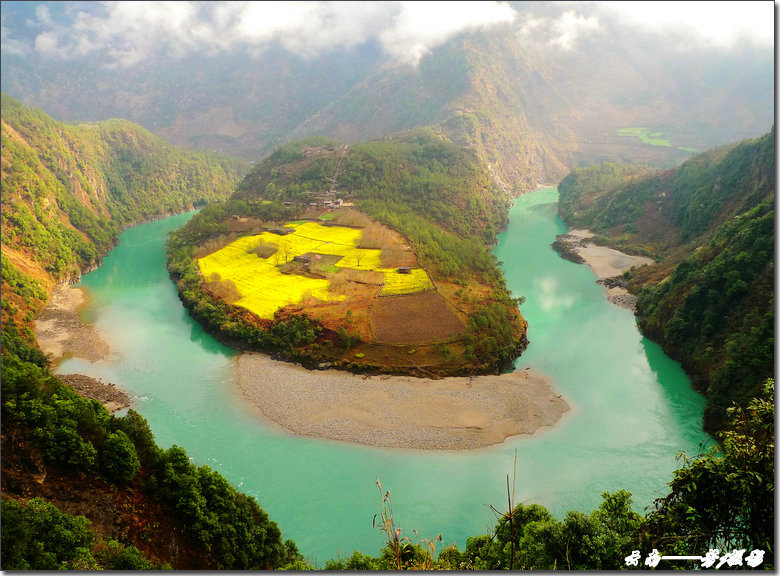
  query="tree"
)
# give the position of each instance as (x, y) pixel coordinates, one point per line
(119, 461)
(37, 536)
(723, 499)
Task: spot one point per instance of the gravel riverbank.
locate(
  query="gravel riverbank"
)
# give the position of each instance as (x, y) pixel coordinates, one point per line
(607, 263)
(61, 333)
(399, 411)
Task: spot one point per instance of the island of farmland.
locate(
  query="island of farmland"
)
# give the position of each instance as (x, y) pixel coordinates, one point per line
(372, 257)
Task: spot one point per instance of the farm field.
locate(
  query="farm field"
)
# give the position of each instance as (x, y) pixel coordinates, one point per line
(414, 319)
(645, 135)
(396, 283)
(266, 272)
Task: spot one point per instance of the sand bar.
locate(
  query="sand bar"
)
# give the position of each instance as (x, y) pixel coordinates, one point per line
(606, 263)
(61, 332)
(399, 411)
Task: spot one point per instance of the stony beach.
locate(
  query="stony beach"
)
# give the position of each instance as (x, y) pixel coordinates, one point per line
(607, 263)
(399, 411)
(61, 333)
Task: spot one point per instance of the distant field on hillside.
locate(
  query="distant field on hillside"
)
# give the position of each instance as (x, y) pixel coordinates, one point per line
(654, 138)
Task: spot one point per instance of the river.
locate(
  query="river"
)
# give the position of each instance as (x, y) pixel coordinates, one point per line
(633, 409)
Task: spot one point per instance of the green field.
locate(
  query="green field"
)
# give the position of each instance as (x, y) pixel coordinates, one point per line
(263, 289)
(646, 136)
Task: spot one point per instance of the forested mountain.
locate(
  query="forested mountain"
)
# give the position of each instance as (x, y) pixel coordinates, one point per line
(709, 298)
(68, 191)
(532, 100)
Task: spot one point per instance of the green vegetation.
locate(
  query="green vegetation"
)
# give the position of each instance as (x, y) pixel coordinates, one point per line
(716, 312)
(645, 135)
(75, 435)
(709, 299)
(37, 536)
(68, 190)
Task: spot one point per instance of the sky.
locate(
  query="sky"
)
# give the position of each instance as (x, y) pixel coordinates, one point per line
(123, 34)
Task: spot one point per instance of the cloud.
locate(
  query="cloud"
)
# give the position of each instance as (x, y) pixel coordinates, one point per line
(421, 26)
(128, 32)
(570, 27)
(549, 26)
(718, 23)
(124, 33)
(679, 24)
(11, 45)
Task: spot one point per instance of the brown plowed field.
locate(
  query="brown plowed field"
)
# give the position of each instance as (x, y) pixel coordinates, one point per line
(414, 319)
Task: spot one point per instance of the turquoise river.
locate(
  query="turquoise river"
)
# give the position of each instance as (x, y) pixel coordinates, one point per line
(632, 411)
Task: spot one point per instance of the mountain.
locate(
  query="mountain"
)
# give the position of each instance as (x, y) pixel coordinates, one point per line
(69, 190)
(533, 106)
(709, 223)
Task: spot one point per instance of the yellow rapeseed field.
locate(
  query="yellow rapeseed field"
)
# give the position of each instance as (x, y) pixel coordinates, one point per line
(262, 288)
(396, 283)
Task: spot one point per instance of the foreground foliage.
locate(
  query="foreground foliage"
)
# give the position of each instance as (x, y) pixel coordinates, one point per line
(724, 499)
(79, 435)
(37, 536)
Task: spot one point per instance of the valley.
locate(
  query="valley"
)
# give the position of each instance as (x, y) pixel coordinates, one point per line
(265, 263)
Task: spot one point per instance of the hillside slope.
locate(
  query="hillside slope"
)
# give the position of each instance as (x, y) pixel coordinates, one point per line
(68, 191)
(709, 298)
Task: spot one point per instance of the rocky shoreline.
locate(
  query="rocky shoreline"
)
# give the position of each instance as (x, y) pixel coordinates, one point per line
(61, 332)
(109, 395)
(607, 263)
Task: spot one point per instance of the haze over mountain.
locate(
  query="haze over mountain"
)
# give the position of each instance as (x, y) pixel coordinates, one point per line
(537, 88)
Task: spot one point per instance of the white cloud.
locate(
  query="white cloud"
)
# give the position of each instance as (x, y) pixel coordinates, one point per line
(561, 31)
(571, 26)
(11, 45)
(421, 26)
(46, 43)
(720, 23)
(683, 24)
(125, 33)
(128, 32)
